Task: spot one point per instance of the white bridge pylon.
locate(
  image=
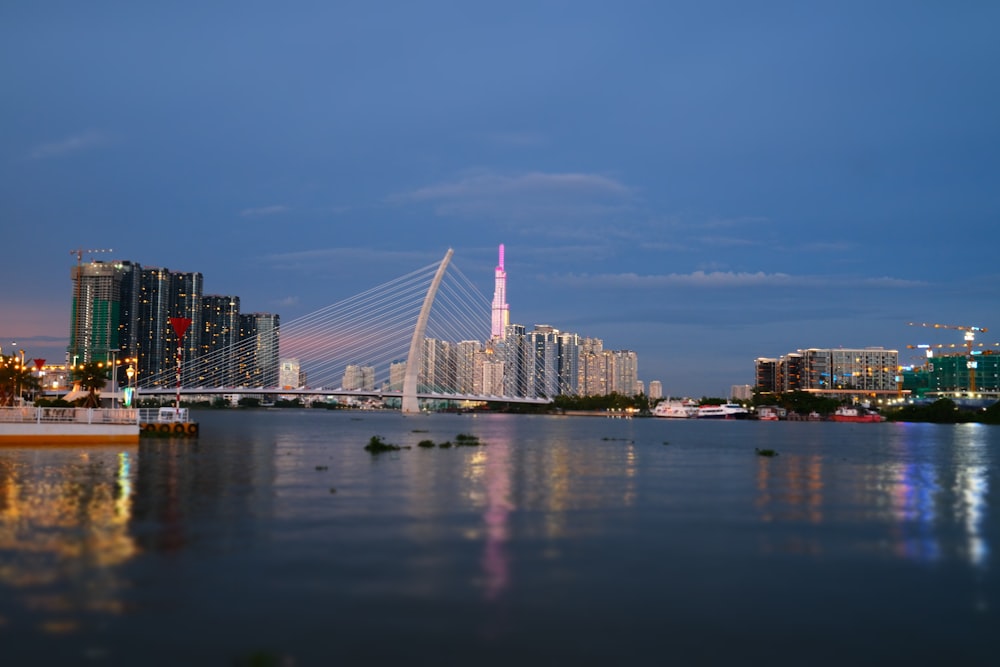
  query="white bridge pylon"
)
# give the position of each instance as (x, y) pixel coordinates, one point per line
(414, 360)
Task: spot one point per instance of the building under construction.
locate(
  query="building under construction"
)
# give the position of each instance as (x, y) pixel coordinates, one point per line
(951, 374)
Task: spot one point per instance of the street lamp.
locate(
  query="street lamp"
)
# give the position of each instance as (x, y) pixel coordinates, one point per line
(130, 373)
(114, 377)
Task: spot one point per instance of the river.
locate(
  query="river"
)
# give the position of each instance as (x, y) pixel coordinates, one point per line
(276, 539)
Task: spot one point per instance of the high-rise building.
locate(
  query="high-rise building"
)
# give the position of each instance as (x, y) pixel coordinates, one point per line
(358, 377)
(569, 363)
(258, 350)
(542, 364)
(741, 392)
(437, 371)
(766, 372)
(220, 334)
(156, 358)
(870, 370)
(493, 373)
(592, 373)
(94, 329)
(185, 301)
(290, 376)
(467, 353)
(513, 352)
(122, 310)
(501, 311)
(655, 390)
(397, 372)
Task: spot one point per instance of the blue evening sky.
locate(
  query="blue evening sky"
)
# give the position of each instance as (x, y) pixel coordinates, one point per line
(701, 182)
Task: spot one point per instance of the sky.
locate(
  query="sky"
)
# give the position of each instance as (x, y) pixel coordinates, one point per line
(701, 182)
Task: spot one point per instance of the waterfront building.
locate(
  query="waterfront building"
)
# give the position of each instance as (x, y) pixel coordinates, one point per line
(185, 301)
(951, 373)
(569, 363)
(493, 377)
(655, 390)
(290, 375)
(94, 329)
(468, 355)
(220, 334)
(623, 372)
(542, 370)
(257, 358)
(766, 373)
(513, 352)
(153, 326)
(437, 369)
(129, 289)
(397, 371)
(357, 377)
(741, 392)
(863, 371)
(592, 368)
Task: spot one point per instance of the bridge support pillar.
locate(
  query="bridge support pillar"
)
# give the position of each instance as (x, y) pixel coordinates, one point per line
(414, 359)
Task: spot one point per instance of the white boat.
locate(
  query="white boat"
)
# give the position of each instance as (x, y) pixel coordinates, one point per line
(725, 411)
(675, 409)
(57, 426)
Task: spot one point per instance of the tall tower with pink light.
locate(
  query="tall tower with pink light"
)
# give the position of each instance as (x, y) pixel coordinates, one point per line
(501, 311)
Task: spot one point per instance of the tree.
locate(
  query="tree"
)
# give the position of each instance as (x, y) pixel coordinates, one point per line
(91, 376)
(15, 380)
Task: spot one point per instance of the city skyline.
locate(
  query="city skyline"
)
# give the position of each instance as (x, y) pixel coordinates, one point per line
(124, 309)
(704, 187)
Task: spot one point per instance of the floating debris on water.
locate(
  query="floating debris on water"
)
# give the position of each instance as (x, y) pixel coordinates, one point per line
(765, 452)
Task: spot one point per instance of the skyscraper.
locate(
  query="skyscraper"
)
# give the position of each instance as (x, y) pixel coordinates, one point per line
(96, 301)
(501, 311)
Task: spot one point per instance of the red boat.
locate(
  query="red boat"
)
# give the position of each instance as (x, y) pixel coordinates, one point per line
(845, 414)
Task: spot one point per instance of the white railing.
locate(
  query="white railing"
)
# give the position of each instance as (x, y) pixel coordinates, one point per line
(162, 415)
(35, 415)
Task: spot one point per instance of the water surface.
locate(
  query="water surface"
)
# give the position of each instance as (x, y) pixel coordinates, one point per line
(276, 538)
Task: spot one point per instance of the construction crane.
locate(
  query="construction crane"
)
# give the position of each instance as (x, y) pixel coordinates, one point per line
(970, 337)
(80, 252)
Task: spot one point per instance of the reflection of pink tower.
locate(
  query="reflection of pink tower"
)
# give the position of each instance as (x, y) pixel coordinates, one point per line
(501, 311)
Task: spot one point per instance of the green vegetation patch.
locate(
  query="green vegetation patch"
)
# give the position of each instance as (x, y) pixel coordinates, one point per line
(377, 445)
(765, 452)
(466, 440)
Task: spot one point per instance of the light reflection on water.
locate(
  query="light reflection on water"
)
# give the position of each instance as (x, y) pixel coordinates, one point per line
(64, 519)
(549, 517)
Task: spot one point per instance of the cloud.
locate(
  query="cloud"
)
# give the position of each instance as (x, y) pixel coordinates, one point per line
(525, 195)
(716, 279)
(327, 257)
(67, 146)
(262, 211)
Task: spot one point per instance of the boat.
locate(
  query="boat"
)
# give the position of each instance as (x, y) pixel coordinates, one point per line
(724, 411)
(767, 413)
(30, 425)
(846, 414)
(675, 409)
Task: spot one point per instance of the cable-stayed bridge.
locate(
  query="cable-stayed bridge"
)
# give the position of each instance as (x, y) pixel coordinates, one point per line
(363, 346)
